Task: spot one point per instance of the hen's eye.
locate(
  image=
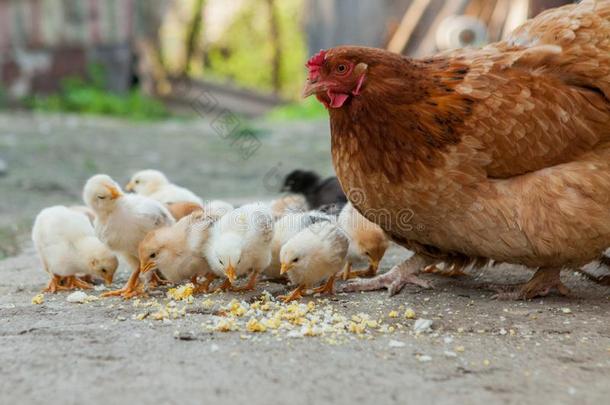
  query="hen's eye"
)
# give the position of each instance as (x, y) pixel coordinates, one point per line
(341, 68)
(153, 255)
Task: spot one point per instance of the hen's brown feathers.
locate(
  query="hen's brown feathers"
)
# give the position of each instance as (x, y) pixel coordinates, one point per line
(500, 153)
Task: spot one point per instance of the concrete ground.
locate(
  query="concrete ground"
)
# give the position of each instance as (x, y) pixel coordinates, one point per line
(478, 350)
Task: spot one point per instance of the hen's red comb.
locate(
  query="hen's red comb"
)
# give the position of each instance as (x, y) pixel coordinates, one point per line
(314, 64)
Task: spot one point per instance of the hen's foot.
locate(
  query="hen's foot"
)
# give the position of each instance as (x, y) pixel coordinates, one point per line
(294, 295)
(452, 271)
(394, 280)
(541, 284)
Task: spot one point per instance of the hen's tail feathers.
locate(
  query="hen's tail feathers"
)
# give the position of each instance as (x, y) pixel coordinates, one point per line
(598, 271)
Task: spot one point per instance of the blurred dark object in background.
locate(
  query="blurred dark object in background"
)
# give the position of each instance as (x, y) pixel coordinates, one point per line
(538, 6)
(325, 195)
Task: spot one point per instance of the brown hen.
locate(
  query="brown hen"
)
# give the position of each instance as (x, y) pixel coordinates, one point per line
(500, 153)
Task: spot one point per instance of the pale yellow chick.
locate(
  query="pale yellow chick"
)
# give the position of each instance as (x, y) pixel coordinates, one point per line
(312, 256)
(288, 204)
(122, 221)
(367, 241)
(67, 246)
(177, 251)
(154, 184)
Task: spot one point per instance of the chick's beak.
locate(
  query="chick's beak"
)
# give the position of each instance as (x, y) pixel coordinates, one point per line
(230, 272)
(313, 86)
(129, 186)
(114, 192)
(146, 267)
(108, 278)
(285, 268)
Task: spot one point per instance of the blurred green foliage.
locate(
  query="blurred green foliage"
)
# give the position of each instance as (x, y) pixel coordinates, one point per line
(90, 97)
(308, 109)
(244, 54)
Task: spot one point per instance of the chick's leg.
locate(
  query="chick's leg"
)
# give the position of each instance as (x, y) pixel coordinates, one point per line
(75, 282)
(371, 271)
(327, 288)
(394, 280)
(347, 272)
(294, 295)
(55, 285)
(205, 286)
(251, 285)
(131, 287)
(225, 286)
(541, 284)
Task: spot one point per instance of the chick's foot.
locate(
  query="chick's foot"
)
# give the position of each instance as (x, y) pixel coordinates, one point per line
(294, 295)
(394, 280)
(73, 282)
(55, 285)
(130, 290)
(327, 288)
(541, 284)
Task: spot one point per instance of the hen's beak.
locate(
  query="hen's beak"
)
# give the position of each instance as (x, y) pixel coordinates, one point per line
(312, 87)
(108, 278)
(230, 272)
(114, 192)
(286, 268)
(130, 186)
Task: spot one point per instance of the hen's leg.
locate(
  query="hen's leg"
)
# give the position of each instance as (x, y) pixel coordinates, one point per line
(541, 284)
(394, 280)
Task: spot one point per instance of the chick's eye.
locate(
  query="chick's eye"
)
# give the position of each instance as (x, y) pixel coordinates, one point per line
(220, 261)
(137, 182)
(101, 197)
(103, 270)
(341, 68)
(153, 255)
(295, 260)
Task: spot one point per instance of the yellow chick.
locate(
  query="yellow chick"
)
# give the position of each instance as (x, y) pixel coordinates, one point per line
(288, 204)
(122, 221)
(67, 246)
(177, 251)
(154, 184)
(367, 241)
(241, 244)
(312, 256)
(284, 229)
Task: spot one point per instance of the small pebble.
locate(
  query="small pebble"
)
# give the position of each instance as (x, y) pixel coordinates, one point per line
(450, 354)
(424, 358)
(566, 310)
(77, 297)
(423, 325)
(396, 343)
